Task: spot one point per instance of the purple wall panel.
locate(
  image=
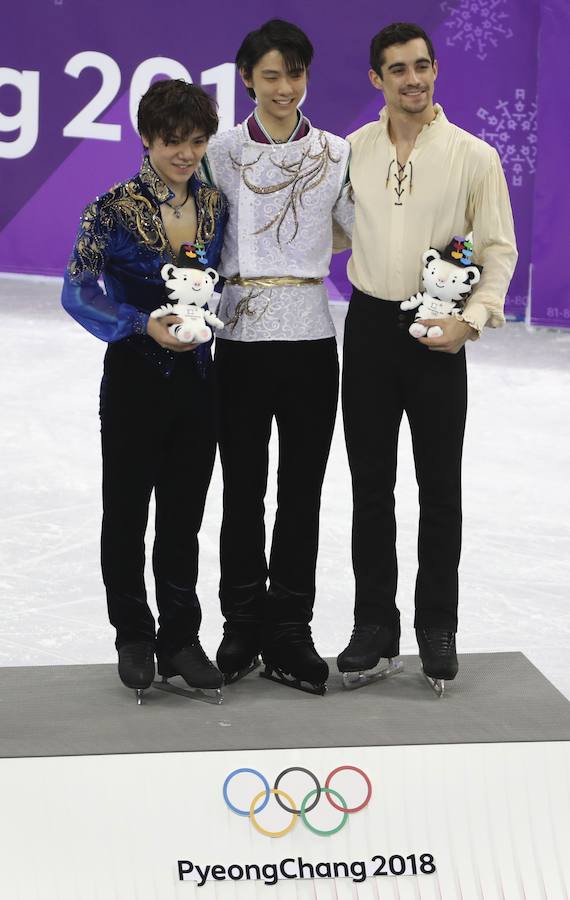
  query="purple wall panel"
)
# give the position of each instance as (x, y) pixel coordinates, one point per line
(487, 51)
(551, 274)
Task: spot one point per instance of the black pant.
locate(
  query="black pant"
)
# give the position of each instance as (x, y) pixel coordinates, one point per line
(295, 382)
(157, 432)
(386, 371)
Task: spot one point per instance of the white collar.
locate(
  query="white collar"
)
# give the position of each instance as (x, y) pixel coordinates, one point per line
(430, 127)
(291, 137)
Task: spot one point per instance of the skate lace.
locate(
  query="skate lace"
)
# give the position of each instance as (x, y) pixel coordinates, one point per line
(363, 631)
(137, 654)
(439, 641)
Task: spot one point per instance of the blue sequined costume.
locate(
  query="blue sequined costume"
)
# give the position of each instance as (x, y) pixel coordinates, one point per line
(156, 407)
(122, 238)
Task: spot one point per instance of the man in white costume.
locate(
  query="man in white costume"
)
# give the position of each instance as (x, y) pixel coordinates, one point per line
(276, 358)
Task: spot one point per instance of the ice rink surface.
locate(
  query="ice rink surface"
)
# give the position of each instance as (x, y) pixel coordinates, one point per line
(515, 570)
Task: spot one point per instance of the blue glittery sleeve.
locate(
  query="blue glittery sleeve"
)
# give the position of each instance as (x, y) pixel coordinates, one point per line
(82, 296)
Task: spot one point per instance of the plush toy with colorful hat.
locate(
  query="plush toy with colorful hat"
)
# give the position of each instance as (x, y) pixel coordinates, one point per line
(190, 284)
(448, 279)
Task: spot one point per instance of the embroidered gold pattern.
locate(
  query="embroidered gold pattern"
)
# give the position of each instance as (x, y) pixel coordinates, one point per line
(243, 308)
(271, 281)
(89, 246)
(153, 182)
(300, 176)
(125, 205)
(138, 214)
(209, 202)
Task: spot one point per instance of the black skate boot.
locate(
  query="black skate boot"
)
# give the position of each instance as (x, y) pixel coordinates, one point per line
(197, 671)
(288, 651)
(290, 658)
(367, 646)
(238, 654)
(438, 656)
(136, 666)
(242, 608)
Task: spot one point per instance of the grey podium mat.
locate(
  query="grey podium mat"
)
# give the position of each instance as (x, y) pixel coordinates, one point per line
(81, 710)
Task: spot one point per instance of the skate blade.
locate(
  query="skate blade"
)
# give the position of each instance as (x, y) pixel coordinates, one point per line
(281, 677)
(436, 684)
(205, 695)
(353, 680)
(232, 677)
(139, 695)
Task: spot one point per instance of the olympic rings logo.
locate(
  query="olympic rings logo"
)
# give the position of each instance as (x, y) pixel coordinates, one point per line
(286, 802)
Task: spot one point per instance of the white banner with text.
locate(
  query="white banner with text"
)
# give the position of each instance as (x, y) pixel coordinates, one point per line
(472, 822)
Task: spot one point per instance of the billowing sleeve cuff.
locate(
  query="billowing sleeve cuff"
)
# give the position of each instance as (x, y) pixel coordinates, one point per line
(478, 315)
(97, 312)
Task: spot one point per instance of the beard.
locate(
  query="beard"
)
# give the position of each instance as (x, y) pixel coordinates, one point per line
(415, 104)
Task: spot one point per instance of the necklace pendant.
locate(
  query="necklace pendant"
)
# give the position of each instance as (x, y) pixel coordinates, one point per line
(177, 212)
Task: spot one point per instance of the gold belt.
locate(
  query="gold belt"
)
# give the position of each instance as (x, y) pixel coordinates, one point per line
(269, 281)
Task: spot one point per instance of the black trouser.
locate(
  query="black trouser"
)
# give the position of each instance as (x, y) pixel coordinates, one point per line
(295, 382)
(387, 371)
(157, 432)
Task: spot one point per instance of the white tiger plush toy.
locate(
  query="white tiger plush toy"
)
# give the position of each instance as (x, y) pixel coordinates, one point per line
(447, 279)
(190, 285)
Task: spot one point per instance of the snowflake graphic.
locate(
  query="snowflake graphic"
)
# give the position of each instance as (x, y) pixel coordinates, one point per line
(476, 25)
(512, 130)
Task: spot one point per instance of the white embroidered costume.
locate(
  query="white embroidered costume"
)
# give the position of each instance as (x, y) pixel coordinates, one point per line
(283, 198)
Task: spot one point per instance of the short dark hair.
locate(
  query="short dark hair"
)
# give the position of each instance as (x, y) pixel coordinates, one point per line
(396, 33)
(292, 43)
(173, 109)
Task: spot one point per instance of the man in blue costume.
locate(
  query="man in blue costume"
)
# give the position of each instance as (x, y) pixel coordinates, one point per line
(156, 402)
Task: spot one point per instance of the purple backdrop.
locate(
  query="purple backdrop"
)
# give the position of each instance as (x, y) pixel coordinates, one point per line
(550, 279)
(487, 51)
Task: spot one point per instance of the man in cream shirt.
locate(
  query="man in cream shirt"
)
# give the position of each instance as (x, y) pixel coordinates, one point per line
(418, 181)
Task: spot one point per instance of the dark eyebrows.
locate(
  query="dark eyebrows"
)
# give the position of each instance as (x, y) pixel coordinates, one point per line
(297, 70)
(179, 137)
(398, 65)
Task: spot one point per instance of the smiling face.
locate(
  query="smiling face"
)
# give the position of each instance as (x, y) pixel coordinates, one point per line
(278, 91)
(446, 281)
(176, 160)
(407, 79)
(189, 285)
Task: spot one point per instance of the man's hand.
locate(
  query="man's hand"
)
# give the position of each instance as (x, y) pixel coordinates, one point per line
(157, 329)
(455, 334)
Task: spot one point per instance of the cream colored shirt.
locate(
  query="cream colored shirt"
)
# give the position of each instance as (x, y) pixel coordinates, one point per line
(452, 184)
